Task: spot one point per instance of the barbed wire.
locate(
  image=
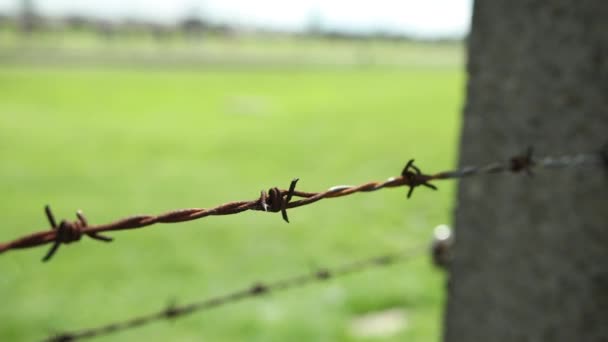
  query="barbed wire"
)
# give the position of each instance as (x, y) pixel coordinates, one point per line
(255, 290)
(279, 200)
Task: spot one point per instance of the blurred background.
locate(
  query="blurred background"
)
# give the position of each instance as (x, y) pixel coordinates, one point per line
(131, 107)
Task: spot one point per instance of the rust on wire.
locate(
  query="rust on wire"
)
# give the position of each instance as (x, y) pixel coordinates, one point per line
(280, 200)
(255, 290)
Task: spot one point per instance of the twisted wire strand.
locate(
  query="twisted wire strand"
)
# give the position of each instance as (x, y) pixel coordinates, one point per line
(255, 290)
(279, 200)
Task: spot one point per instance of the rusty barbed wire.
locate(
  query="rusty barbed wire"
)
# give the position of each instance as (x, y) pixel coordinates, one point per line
(279, 200)
(255, 290)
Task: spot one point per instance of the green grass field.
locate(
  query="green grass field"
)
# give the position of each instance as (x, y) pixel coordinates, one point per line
(116, 142)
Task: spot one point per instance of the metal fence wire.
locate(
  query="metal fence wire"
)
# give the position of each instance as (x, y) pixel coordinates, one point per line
(277, 200)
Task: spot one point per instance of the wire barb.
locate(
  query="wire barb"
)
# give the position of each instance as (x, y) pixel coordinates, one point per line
(62, 338)
(68, 232)
(171, 311)
(415, 178)
(523, 162)
(277, 200)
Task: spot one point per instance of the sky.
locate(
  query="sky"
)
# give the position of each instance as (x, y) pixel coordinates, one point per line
(424, 18)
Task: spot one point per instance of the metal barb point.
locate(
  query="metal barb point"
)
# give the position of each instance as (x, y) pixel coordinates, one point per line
(65, 233)
(292, 188)
(51, 251)
(84, 223)
(57, 242)
(50, 216)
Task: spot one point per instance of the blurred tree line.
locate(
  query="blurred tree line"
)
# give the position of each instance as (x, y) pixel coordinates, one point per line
(194, 25)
